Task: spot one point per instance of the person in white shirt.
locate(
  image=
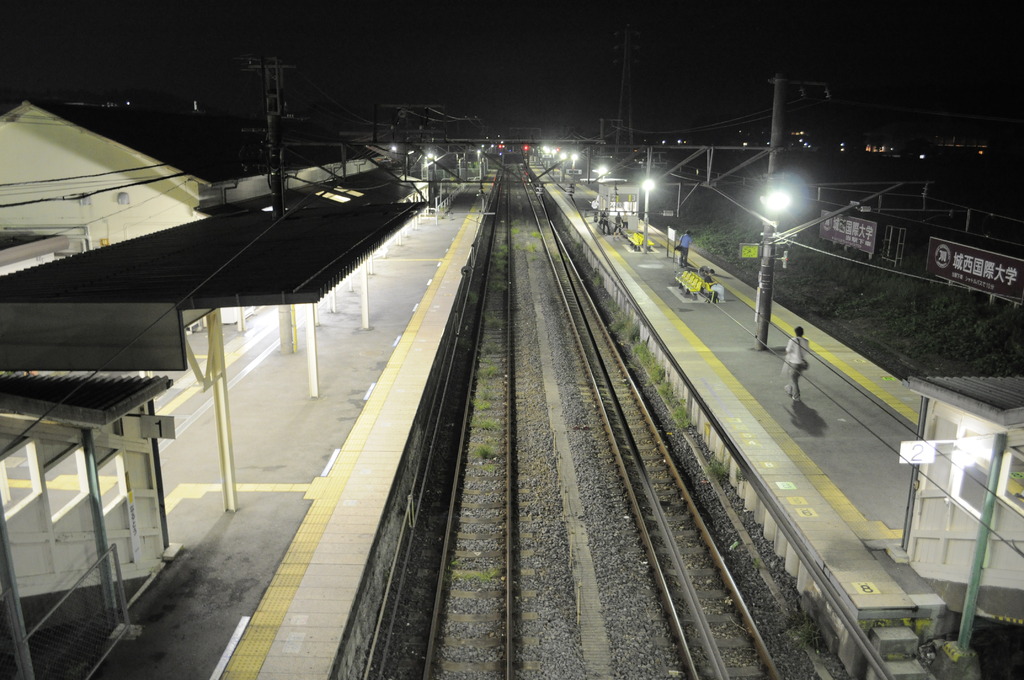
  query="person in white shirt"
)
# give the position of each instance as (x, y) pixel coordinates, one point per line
(795, 362)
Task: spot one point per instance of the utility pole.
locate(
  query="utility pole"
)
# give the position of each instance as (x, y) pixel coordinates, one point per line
(647, 196)
(763, 310)
(626, 88)
(273, 87)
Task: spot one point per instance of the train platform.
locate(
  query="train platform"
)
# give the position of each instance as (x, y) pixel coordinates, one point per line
(832, 458)
(265, 591)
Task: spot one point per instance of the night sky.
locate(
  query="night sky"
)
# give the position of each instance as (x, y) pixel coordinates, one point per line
(547, 65)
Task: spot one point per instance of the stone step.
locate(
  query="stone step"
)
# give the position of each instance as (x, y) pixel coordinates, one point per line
(894, 642)
(902, 670)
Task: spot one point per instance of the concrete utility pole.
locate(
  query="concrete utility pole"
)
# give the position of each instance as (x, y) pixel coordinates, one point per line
(626, 87)
(273, 85)
(763, 310)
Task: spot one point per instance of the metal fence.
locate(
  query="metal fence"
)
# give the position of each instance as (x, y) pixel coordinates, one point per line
(8, 651)
(74, 636)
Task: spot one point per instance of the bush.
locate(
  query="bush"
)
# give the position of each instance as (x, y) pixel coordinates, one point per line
(906, 324)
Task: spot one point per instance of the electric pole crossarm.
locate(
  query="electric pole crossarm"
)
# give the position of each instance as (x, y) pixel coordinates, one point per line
(741, 206)
(686, 161)
(759, 156)
(839, 211)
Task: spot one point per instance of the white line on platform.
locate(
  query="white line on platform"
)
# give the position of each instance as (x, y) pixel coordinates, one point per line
(397, 340)
(330, 463)
(369, 391)
(249, 368)
(230, 649)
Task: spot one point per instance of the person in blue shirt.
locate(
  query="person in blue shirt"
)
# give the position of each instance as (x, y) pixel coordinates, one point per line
(684, 248)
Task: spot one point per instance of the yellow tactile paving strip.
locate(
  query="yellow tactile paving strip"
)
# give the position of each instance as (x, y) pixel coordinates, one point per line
(298, 624)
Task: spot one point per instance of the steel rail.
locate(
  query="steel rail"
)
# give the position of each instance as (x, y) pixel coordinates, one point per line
(828, 589)
(690, 594)
(614, 424)
(447, 548)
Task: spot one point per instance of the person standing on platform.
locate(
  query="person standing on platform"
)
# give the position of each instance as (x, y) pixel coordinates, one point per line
(618, 224)
(603, 222)
(796, 362)
(684, 248)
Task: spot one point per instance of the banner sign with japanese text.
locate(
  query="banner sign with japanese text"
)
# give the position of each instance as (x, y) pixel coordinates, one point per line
(975, 268)
(850, 231)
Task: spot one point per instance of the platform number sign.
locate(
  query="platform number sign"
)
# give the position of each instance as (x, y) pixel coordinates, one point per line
(865, 588)
(917, 452)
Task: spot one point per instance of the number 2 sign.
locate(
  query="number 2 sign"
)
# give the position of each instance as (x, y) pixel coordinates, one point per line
(918, 452)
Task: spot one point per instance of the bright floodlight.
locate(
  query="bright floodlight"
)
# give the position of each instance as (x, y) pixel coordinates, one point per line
(777, 200)
(647, 185)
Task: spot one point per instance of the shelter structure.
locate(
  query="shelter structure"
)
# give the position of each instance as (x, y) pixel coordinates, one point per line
(966, 516)
(82, 514)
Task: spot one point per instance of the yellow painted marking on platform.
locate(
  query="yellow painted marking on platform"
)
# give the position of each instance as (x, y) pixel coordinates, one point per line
(796, 500)
(846, 510)
(252, 650)
(806, 512)
(197, 491)
(194, 389)
(64, 483)
(174, 404)
(865, 588)
(843, 366)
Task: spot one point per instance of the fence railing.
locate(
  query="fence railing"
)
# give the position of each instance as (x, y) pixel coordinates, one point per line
(74, 636)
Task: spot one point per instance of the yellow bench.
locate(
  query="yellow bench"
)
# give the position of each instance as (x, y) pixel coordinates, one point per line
(694, 283)
(691, 281)
(637, 239)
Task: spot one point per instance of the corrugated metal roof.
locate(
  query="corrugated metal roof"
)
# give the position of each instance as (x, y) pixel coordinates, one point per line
(119, 307)
(225, 261)
(77, 400)
(1000, 400)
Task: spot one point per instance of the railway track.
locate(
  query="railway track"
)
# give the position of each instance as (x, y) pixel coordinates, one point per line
(572, 548)
(713, 629)
(470, 630)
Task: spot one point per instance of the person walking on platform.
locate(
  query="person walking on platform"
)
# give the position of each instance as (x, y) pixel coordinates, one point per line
(795, 362)
(603, 222)
(684, 248)
(618, 224)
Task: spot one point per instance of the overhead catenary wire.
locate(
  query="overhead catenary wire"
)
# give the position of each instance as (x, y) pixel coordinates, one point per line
(994, 532)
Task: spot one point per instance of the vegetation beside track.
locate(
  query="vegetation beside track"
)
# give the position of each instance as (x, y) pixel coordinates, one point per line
(901, 318)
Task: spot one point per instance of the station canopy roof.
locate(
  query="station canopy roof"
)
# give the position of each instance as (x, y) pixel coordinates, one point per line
(126, 306)
(76, 399)
(999, 400)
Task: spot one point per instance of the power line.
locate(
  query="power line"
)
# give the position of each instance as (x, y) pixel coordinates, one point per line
(86, 194)
(74, 177)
